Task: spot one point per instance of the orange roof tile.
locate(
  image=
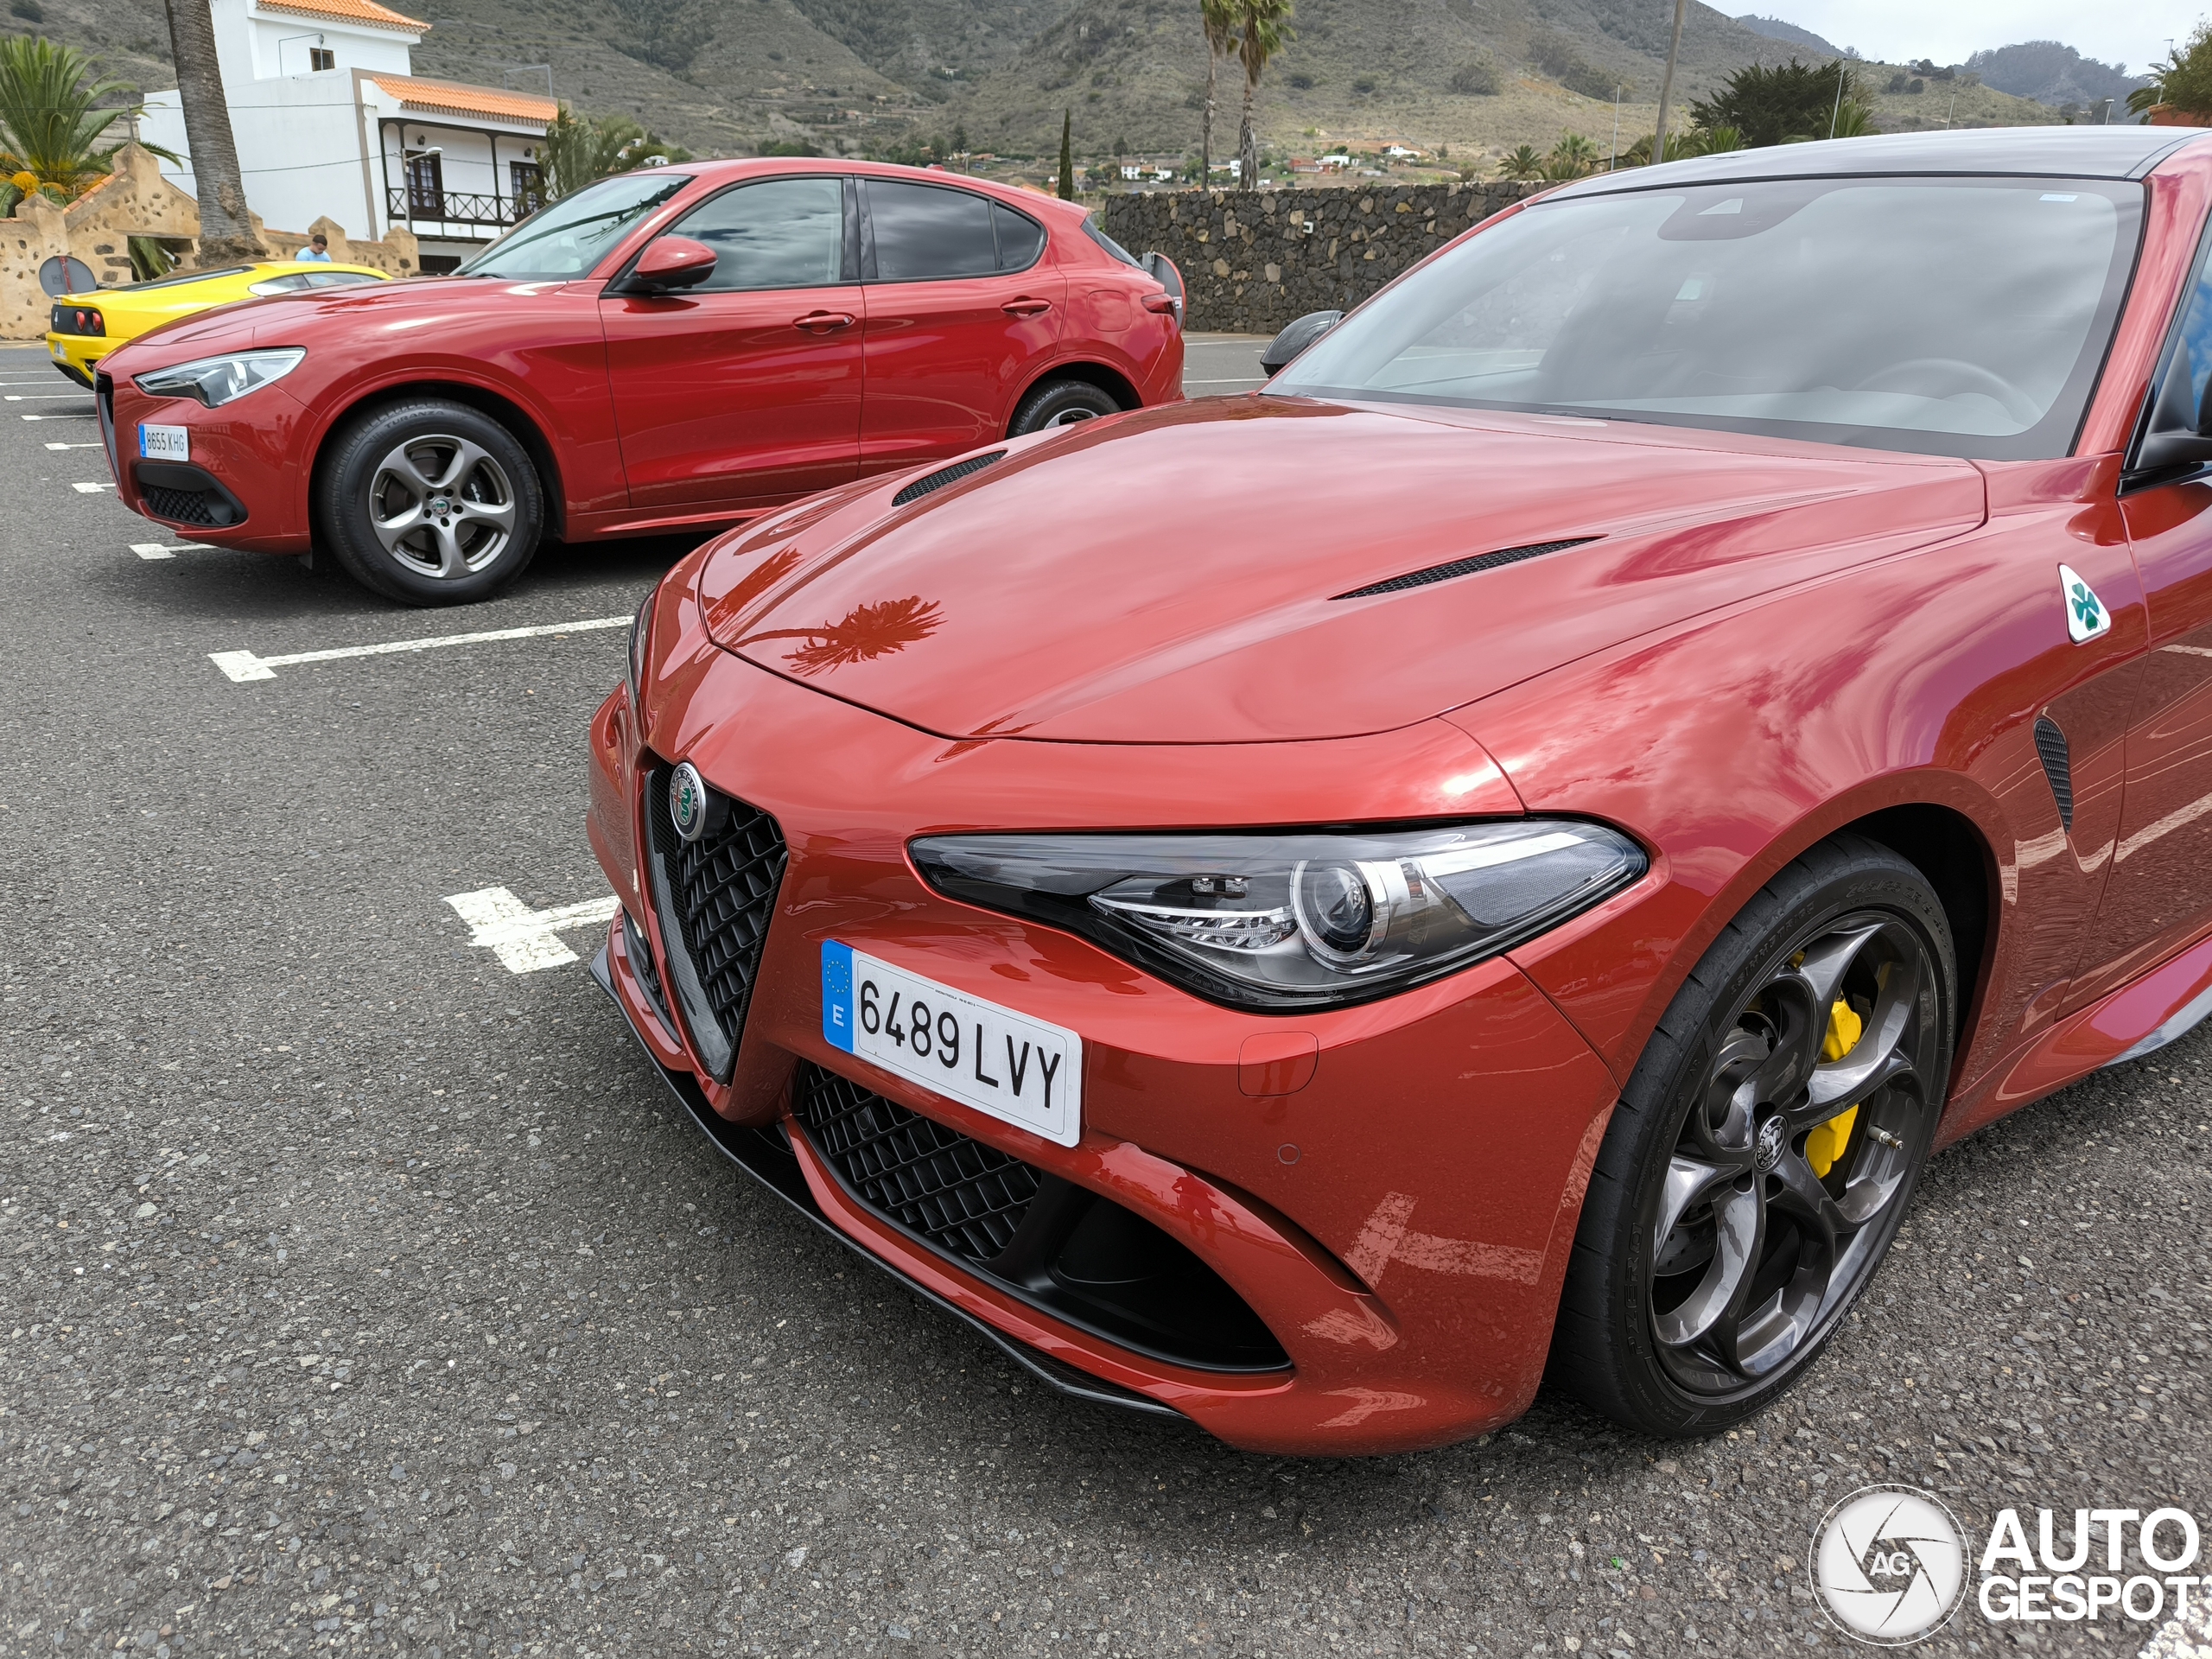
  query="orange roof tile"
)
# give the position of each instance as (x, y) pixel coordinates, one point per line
(349, 11)
(449, 98)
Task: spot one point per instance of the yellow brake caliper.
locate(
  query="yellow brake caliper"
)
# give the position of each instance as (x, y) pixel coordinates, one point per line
(1826, 1141)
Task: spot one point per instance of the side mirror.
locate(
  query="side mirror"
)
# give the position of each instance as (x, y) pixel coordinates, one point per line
(2180, 430)
(1296, 338)
(670, 264)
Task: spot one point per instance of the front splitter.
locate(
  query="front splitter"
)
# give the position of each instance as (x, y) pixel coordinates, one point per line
(769, 1161)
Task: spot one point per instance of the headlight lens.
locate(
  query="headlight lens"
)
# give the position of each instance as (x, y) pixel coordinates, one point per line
(1300, 919)
(219, 380)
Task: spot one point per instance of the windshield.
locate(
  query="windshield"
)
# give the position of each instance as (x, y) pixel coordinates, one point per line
(569, 238)
(1949, 316)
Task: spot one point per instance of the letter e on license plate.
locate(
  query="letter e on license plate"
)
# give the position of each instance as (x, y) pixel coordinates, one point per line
(1003, 1063)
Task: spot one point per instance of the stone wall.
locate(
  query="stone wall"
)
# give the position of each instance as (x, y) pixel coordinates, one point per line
(1253, 261)
(136, 200)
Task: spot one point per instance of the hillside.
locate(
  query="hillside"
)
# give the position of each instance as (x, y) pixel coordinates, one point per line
(727, 77)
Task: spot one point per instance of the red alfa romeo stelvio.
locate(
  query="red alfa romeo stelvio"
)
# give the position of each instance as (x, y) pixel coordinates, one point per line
(678, 349)
(1498, 857)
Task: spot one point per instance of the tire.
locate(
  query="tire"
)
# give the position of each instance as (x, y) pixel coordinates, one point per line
(1061, 402)
(385, 476)
(1712, 1265)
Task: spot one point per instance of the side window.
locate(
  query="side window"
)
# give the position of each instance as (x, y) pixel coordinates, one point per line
(1022, 239)
(924, 231)
(2195, 342)
(340, 278)
(779, 233)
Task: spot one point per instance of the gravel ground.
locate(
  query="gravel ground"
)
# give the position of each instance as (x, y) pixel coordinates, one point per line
(358, 1293)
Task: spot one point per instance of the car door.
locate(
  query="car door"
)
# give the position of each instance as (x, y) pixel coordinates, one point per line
(2159, 892)
(745, 390)
(963, 308)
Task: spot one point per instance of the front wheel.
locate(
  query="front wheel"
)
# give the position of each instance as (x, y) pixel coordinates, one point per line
(430, 503)
(1763, 1152)
(1061, 402)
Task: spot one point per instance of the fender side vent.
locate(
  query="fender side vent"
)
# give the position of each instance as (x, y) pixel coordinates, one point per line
(2050, 748)
(1458, 567)
(944, 475)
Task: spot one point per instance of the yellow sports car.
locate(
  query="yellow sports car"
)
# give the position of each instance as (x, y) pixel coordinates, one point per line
(86, 327)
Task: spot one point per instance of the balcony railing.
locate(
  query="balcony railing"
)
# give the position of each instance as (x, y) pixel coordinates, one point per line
(457, 207)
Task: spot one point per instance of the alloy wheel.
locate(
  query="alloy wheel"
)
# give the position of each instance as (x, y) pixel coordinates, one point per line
(442, 506)
(1780, 1195)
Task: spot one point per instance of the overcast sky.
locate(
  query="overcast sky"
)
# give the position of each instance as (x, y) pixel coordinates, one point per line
(1893, 31)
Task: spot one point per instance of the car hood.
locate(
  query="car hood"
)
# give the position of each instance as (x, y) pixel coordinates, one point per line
(1193, 574)
(410, 312)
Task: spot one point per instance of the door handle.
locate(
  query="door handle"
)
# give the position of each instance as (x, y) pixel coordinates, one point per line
(1025, 307)
(824, 322)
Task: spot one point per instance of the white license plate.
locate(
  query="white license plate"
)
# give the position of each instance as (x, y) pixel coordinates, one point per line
(164, 443)
(1005, 1064)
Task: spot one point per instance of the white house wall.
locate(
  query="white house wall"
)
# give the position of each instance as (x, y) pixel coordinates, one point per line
(309, 141)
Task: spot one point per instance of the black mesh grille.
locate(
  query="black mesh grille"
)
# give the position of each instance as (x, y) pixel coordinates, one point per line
(722, 890)
(964, 1196)
(1463, 567)
(179, 506)
(2057, 766)
(943, 476)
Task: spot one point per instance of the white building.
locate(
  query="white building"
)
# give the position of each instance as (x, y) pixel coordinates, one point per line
(330, 120)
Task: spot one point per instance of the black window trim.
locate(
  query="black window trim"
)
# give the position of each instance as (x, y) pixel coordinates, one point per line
(849, 263)
(867, 233)
(2132, 478)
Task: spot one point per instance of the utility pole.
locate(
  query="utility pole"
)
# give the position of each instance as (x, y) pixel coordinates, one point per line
(1836, 115)
(1667, 85)
(1612, 156)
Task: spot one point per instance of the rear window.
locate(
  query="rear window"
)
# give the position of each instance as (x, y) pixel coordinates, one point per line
(1113, 248)
(924, 231)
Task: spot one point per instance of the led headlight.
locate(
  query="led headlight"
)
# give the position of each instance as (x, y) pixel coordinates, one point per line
(1297, 919)
(219, 380)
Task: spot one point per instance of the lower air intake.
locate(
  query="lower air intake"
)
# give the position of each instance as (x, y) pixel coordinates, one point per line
(1058, 1246)
(961, 1195)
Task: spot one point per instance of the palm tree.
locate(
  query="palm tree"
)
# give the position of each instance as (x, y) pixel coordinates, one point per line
(1264, 30)
(50, 125)
(1570, 158)
(1218, 18)
(226, 234)
(1521, 162)
(583, 149)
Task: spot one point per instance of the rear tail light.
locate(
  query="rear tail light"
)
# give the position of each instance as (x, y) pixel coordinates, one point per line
(79, 319)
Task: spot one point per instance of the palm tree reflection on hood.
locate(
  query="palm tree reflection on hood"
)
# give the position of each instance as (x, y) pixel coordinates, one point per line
(867, 632)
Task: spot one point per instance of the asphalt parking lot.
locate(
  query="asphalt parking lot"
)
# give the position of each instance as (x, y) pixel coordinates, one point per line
(359, 1291)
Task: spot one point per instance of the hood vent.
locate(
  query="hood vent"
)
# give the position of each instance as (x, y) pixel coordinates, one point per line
(1456, 568)
(944, 475)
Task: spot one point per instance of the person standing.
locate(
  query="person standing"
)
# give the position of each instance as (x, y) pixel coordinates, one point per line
(318, 249)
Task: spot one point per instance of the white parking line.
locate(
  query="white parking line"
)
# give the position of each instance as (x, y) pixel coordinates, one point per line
(170, 550)
(243, 665)
(89, 415)
(72, 446)
(38, 396)
(90, 489)
(522, 937)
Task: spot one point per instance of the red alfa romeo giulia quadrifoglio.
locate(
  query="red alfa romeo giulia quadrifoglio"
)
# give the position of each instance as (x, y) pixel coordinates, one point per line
(1500, 856)
(681, 348)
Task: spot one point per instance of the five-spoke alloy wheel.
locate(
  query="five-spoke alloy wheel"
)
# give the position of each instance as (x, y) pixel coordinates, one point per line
(1763, 1152)
(429, 503)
